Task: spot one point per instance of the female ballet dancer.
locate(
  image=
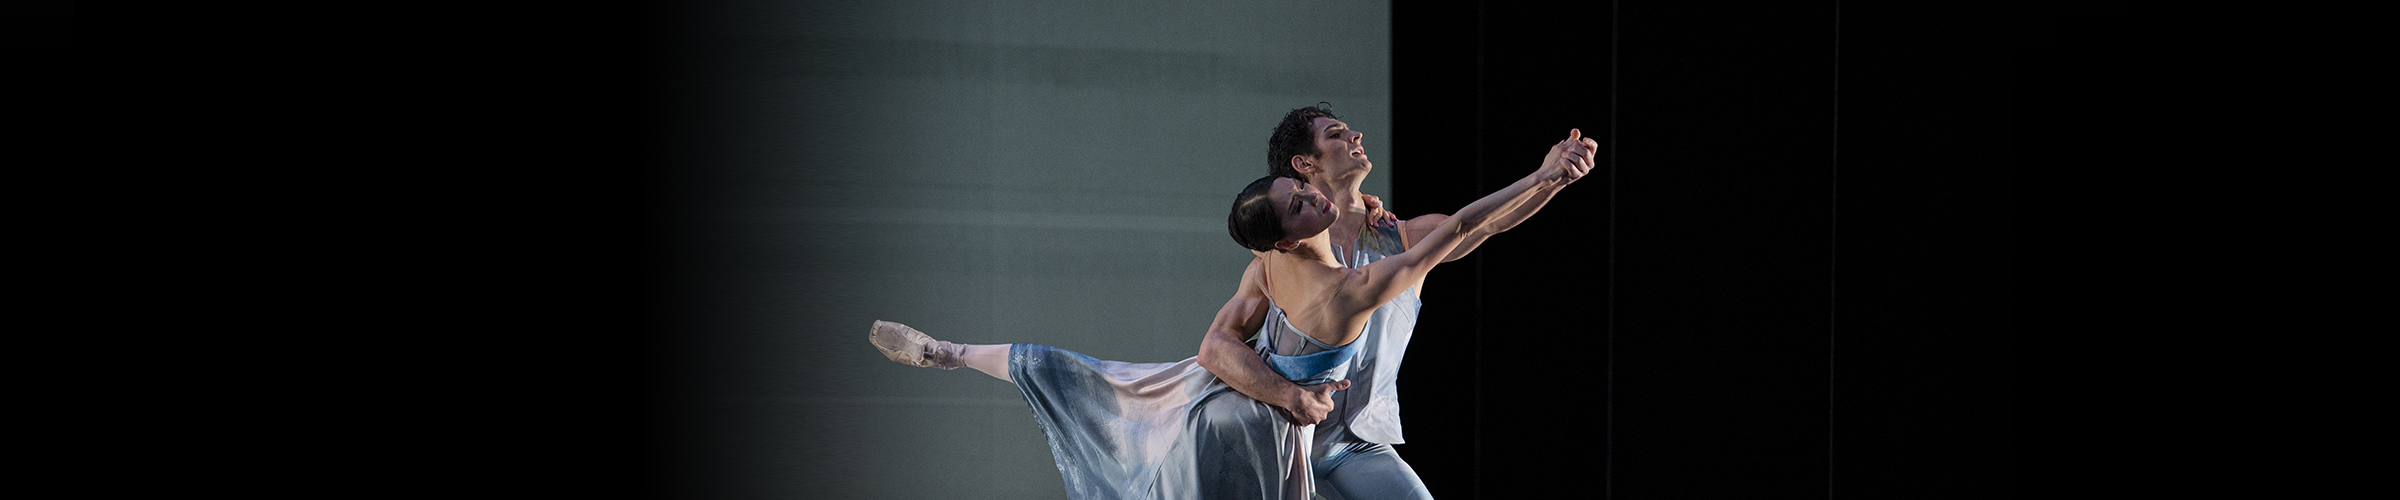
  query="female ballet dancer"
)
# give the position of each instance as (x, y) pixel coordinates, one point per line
(1169, 430)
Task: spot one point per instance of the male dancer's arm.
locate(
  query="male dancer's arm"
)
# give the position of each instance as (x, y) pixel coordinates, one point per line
(1223, 353)
(1415, 229)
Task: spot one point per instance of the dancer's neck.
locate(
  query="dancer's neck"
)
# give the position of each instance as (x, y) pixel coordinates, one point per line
(1351, 215)
(1343, 191)
(1314, 248)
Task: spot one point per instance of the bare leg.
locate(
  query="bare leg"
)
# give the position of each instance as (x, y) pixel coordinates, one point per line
(908, 346)
(991, 359)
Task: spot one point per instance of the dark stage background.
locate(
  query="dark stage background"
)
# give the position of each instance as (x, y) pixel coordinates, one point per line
(1797, 279)
(1800, 286)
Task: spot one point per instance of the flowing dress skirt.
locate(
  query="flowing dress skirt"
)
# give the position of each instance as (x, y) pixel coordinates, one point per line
(1159, 430)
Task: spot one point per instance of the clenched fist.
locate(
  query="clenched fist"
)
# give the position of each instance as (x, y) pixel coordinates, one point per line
(1570, 159)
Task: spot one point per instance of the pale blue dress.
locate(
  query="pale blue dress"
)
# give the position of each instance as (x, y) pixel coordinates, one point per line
(1122, 430)
(1352, 455)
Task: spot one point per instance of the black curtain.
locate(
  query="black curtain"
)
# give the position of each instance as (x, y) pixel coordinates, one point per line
(1797, 278)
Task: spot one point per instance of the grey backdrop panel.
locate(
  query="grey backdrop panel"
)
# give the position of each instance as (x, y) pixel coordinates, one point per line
(988, 172)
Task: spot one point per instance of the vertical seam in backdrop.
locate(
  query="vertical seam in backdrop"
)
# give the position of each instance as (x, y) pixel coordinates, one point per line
(1479, 139)
(1832, 245)
(1608, 435)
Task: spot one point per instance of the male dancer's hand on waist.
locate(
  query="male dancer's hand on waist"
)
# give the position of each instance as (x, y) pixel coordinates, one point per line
(1310, 405)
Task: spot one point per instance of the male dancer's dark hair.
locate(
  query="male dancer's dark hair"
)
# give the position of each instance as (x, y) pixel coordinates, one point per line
(1294, 138)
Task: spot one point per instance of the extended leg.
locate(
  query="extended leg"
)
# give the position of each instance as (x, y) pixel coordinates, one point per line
(908, 346)
(991, 359)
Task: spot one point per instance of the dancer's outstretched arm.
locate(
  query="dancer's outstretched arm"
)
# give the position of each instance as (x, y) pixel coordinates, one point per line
(1223, 353)
(1414, 230)
(1364, 288)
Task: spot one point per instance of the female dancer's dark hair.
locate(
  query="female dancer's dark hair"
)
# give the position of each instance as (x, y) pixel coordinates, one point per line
(1253, 222)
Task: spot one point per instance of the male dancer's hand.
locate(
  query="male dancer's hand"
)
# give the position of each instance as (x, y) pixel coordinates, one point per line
(1376, 214)
(1570, 159)
(1314, 401)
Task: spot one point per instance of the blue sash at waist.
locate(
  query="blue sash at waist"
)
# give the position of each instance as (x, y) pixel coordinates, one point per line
(1314, 368)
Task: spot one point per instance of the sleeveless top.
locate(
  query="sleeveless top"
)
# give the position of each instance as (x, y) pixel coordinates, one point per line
(1369, 410)
(1311, 362)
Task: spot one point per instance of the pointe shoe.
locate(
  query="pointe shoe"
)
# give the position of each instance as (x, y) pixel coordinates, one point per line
(910, 347)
